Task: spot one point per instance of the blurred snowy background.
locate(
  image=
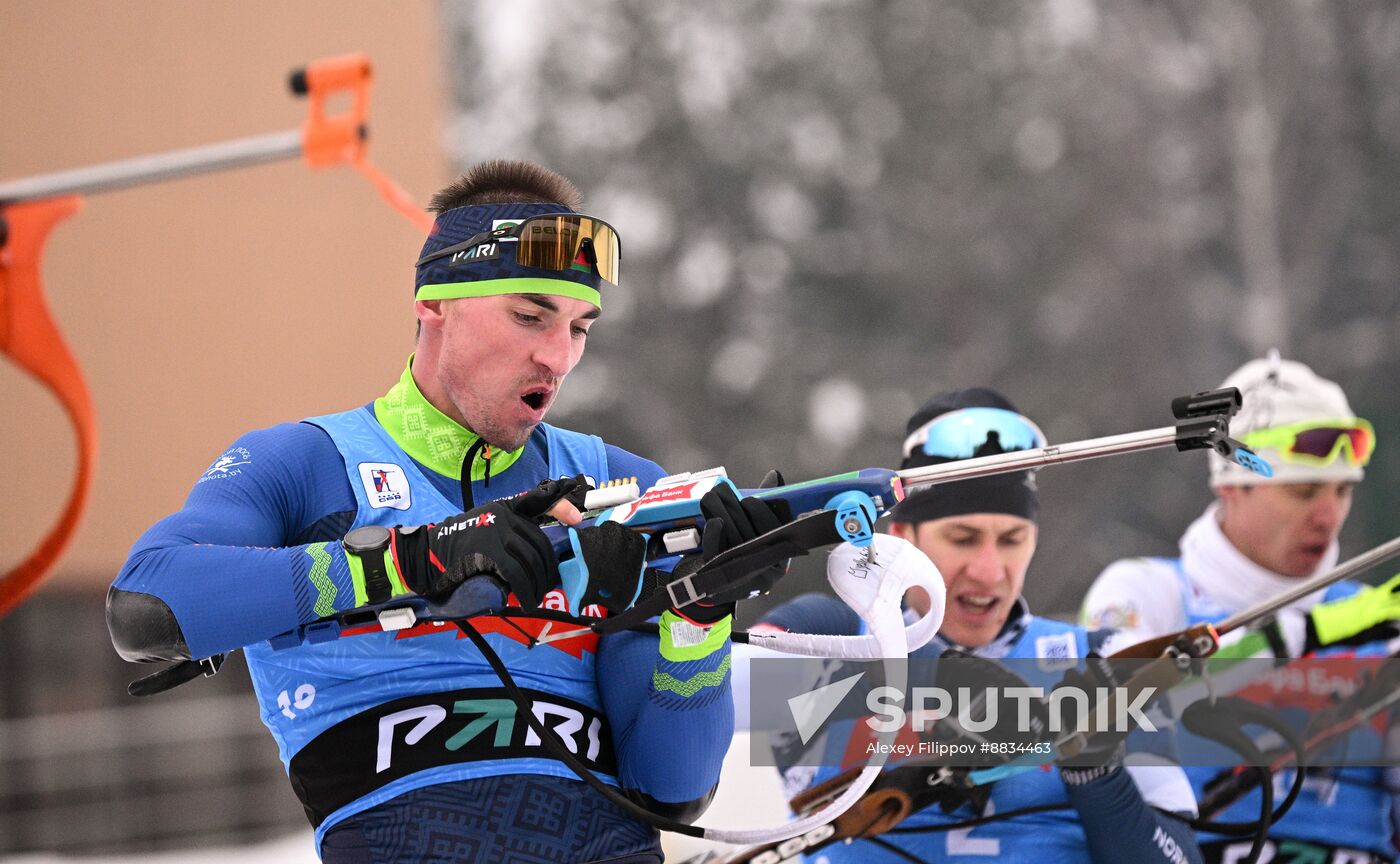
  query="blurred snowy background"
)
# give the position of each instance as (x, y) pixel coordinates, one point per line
(832, 210)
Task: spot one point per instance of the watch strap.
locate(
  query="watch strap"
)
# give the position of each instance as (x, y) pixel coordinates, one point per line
(375, 577)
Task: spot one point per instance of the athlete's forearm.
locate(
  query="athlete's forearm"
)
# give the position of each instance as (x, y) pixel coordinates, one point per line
(1120, 826)
(181, 600)
(225, 570)
(672, 713)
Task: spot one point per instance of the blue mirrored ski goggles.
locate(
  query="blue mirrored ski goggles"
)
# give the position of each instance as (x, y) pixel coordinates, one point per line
(959, 434)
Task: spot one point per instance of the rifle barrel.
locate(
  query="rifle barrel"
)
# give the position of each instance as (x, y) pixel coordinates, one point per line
(1020, 460)
(1359, 564)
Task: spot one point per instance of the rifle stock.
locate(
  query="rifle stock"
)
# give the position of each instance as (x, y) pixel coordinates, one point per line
(1197, 641)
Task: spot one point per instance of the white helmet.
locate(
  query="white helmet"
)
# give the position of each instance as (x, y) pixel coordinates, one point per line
(1279, 393)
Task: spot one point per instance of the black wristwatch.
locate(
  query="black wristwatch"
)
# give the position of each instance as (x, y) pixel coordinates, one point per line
(368, 544)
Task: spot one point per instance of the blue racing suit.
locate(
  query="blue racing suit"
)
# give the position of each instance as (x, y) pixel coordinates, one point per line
(404, 744)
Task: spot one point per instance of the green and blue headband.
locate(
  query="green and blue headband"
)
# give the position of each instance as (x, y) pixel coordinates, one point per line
(484, 250)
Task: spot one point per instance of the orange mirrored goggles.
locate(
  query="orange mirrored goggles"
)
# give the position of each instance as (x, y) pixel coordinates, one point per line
(553, 241)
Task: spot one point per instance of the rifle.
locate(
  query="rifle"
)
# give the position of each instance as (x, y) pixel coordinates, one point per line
(821, 512)
(816, 513)
(1379, 693)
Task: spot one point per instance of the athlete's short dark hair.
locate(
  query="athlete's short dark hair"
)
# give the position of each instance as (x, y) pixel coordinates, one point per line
(508, 181)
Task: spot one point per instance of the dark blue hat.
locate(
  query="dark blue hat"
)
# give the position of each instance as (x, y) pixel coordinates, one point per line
(965, 424)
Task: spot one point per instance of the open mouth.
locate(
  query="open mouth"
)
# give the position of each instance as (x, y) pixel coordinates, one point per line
(976, 605)
(536, 398)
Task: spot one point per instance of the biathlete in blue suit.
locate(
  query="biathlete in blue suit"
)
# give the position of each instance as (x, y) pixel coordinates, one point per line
(403, 746)
(981, 535)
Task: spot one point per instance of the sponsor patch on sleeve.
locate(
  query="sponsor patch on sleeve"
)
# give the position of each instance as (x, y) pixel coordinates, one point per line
(227, 465)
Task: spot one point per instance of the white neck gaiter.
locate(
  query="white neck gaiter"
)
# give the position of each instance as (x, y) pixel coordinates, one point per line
(1227, 577)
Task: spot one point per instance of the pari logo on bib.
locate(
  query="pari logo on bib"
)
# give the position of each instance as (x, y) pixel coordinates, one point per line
(385, 485)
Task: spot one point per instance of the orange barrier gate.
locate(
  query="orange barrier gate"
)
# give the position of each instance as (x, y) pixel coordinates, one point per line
(31, 207)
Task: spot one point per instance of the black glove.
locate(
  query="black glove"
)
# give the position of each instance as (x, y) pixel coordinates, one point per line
(501, 539)
(614, 557)
(960, 673)
(1102, 752)
(730, 521)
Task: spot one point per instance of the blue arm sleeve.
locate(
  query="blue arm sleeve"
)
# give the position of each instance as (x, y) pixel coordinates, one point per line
(622, 463)
(225, 564)
(814, 613)
(1120, 826)
(671, 734)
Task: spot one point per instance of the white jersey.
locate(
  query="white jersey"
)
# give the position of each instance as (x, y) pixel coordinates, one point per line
(1148, 597)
